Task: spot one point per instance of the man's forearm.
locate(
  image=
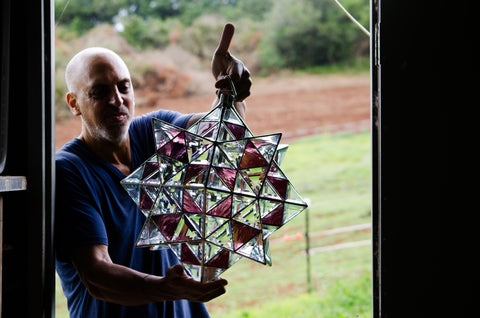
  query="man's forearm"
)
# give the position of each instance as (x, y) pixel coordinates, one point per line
(122, 285)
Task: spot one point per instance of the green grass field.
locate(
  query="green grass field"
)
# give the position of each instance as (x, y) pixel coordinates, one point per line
(333, 172)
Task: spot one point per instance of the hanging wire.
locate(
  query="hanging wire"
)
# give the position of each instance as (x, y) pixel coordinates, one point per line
(61, 14)
(364, 30)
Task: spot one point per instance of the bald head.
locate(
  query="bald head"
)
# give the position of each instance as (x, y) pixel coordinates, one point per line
(80, 65)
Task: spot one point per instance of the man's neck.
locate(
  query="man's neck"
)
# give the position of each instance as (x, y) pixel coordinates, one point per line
(116, 153)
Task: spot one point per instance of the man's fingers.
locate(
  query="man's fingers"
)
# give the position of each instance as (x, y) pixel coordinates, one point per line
(226, 39)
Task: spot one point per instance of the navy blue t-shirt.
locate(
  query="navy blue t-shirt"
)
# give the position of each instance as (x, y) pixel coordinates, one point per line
(93, 208)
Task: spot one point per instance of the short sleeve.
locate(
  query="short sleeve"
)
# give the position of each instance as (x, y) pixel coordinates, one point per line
(78, 217)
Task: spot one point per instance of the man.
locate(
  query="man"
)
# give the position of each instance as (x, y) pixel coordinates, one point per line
(102, 273)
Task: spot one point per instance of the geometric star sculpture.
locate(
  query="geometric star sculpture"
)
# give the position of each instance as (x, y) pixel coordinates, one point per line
(213, 193)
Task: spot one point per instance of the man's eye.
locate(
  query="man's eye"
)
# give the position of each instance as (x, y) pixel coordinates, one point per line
(124, 87)
(99, 91)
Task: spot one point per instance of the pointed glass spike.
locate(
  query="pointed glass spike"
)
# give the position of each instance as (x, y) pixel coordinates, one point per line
(222, 209)
(242, 233)
(231, 116)
(227, 175)
(136, 176)
(275, 217)
(253, 249)
(222, 236)
(187, 256)
(167, 223)
(293, 196)
(249, 216)
(292, 210)
(240, 202)
(233, 150)
(280, 153)
(150, 235)
(252, 157)
(237, 131)
(213, 116)
(133, 191)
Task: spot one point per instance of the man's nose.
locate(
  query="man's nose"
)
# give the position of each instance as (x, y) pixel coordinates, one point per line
(116, 97)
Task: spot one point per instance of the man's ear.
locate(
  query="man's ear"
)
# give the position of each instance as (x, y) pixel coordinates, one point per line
(72, 104)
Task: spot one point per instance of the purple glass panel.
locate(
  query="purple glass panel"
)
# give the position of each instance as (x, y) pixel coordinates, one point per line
(223, 209)
(167, 223)
(220, 260)
(194, 170)
(146, 203)
(242, 233)
(227, 175)
(204, 126)
(187, 256)
(175, 148)
(237, 131)
(280, 185)
(275, 217)
(252, 157)
(149, 168)
(189, 204)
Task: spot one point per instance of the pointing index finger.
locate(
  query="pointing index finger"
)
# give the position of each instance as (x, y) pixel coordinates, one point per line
(226, 38)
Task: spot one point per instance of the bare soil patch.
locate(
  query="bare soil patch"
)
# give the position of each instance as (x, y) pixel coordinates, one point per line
(295, 105)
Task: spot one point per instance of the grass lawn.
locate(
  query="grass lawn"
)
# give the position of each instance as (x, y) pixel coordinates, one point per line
(333, 172)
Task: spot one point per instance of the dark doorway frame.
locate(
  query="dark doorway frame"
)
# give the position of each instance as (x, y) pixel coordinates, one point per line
(409, 148)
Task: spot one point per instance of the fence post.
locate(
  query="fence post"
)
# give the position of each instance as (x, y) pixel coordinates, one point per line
(307, 247)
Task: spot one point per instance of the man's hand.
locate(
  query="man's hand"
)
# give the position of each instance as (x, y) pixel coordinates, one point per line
(181, 286)
(223, 63)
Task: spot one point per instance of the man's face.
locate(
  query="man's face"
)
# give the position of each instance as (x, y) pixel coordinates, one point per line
(105, 98)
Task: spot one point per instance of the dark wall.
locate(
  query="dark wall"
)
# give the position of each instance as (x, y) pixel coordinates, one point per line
(27, 269)
(422, 47)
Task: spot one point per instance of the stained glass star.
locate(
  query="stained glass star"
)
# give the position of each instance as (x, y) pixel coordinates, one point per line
(213, 193)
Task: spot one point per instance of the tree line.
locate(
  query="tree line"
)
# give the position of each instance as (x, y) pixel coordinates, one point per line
(295, 34)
